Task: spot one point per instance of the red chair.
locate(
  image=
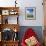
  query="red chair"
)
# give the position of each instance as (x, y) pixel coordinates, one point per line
(29, 33)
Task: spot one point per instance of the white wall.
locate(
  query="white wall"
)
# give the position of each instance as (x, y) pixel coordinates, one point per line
(25, 3)
(39, 12)
(7, 3)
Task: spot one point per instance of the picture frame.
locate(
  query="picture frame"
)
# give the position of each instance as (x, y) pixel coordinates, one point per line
(30, 13)
(5, 12)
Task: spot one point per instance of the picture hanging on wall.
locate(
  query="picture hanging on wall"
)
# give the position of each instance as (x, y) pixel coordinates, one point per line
(30, 13)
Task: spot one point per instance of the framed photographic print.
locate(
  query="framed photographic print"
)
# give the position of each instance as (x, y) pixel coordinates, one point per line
(30, 13)
(5, 12)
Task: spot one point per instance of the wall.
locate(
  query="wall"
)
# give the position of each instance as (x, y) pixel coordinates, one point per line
(39, 14)
(25, 3)
(7, 3)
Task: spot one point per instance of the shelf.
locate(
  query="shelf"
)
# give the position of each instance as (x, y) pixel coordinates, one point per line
(4, 8)
(10, 26)
(9, 10)
(9, 19)
(11, 41)
(6, 12)
(9, 23)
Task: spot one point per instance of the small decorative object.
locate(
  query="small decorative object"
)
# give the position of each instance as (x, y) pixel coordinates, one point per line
(7, 34)
(13, 12)
(15, 35)
(30, 13)
(5, 12)
(6, 21)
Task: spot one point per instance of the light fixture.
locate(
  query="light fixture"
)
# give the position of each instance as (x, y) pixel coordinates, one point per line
(15, 3)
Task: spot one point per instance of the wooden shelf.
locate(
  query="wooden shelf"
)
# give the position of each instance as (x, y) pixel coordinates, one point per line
(10, 43)
(10, 9)
(4, 13)
(3, 8)
(10, 26)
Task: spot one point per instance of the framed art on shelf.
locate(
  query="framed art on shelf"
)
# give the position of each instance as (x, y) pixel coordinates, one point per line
(30, 13)
(5, 12)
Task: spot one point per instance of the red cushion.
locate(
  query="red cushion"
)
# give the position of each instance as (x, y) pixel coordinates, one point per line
(29, 33)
